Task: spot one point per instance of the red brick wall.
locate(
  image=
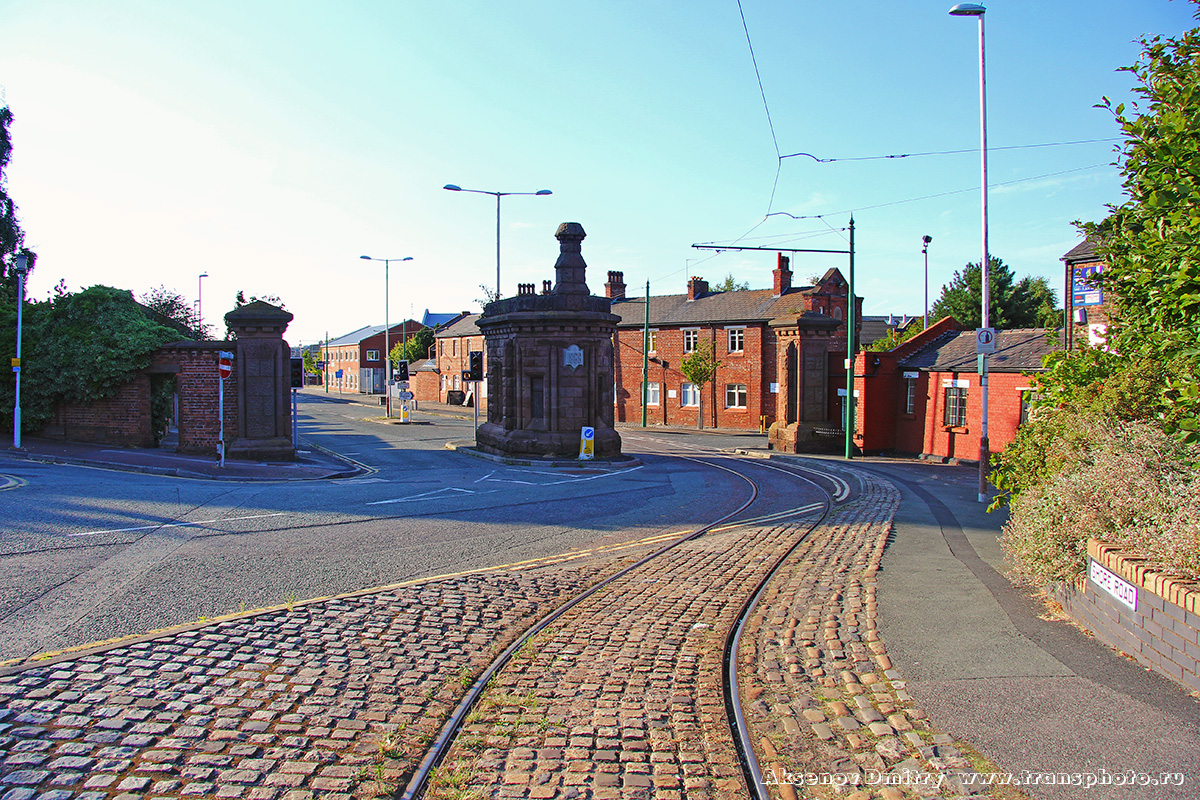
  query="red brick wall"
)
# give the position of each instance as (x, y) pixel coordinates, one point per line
(197, 383)
(122, 420)
(452, 359)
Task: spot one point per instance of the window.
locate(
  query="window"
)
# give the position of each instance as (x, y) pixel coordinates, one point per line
(1027, 398)
(735, 395)
(910, 395)
(837, 314)
(956, 406)
(441, 347)
(372, 355)
(651, 394)
(737, 340)
(688, 395)
(691, 338)
(652, 344)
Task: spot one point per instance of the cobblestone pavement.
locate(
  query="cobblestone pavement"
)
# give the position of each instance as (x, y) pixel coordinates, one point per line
(326, 699)
(830, 712)
(623, 698)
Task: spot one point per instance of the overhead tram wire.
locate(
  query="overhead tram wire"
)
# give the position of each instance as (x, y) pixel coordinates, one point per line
(948, 152)
(766, 108)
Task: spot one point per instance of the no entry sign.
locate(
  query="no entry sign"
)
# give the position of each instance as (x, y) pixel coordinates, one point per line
(224, 364)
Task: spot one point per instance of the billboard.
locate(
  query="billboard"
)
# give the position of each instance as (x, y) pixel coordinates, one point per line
(1084, 291)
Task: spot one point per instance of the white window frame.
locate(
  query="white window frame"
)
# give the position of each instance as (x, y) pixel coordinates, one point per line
(652, 344)
(739, 392)
(689, 392)
(910, 396)
(738, 332)
(652, 393)
(372, 355)
(691, 336)
(954, 413)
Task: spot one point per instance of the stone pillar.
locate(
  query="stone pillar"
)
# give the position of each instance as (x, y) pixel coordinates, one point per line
(550, 365)
(261, 363)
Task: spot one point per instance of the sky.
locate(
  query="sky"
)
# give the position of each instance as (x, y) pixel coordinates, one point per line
(271, 143)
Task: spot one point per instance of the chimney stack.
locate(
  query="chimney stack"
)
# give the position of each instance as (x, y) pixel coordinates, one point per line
(783, 275)
(697, 287)
(615, 288)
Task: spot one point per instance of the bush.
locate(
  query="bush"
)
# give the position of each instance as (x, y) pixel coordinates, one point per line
(1127, 483)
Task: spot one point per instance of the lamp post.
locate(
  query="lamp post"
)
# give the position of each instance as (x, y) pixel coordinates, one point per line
(977, 11)
(387, 353)
(200, 301)
(20, 266)
(451, 187)
(925, 240)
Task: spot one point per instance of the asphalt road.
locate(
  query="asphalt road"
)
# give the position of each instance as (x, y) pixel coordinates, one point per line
(88, 554)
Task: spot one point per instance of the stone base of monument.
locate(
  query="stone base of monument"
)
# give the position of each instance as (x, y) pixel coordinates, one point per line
(275, 449)
(525, 443)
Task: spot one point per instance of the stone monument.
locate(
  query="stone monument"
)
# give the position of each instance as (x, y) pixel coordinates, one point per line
(261, 361)
(550, 365)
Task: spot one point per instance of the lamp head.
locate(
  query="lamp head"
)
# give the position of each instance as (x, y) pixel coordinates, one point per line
(452, 187)
(21, 264)
(543, 191)
(367, 258)
(967, 10)
(926, 239)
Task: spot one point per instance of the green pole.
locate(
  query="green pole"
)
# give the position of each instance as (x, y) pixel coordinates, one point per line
(646, 355)
(850, 405)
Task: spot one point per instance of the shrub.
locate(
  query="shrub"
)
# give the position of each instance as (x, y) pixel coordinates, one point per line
(1127, 483)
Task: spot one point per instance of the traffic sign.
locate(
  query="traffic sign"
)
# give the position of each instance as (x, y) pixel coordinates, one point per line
(404, 395)
(587, 442)
(985, 340)
(224, 364)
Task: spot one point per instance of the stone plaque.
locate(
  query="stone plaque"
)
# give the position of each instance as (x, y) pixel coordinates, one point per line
(573, 357)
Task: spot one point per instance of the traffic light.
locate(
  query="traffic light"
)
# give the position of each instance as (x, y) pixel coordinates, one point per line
(297, 373)
(402, 370)
(475, 365)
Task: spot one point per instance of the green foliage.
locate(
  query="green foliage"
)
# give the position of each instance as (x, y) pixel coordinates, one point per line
(415, 348)
(12, 238)
(80, 348)
(1151, 243)
(310, 363)
(895, 338)
(731, 285)
(700, 365)
(172, 305)
(1028, 303)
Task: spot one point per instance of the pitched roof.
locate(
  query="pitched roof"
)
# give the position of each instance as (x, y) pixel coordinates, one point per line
(752, 305)
(873, 328)
(1019, 350)
(1084, 251)
(463, 327)
(354, 337)
(432, 320)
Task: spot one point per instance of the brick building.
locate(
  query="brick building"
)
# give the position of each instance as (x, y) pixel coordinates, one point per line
(923, 398)
(781, 351)
(359, 356)
(1085, 306)
(451, 345)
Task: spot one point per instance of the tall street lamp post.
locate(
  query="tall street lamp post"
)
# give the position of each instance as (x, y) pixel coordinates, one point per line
(387, 353)
(20, 266)
(977, 11)
(925, 240)
(200, 301)
(451, 187)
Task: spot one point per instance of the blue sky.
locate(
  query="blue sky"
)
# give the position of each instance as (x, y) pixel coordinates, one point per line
(270, 144)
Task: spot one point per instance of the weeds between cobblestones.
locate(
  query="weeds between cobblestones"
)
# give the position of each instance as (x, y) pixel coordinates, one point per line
(818, 684)
(331, 699)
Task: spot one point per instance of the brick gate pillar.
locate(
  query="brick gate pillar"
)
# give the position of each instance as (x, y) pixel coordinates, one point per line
(261, 362)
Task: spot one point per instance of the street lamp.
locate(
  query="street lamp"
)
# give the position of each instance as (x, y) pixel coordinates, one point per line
(925, 240)
(977, 11)
(200, 301)
(387, 354)
(451, 187)
(20, 266)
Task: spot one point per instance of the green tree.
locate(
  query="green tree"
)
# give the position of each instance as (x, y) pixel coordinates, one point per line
(700, 367)
(1028, 303)
(731, 285)
(172, 305)
(1151, 243)
(80, 348)
(12, 238)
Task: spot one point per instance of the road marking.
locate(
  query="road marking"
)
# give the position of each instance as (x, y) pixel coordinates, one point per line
(177, 524)
(566, 480)
(10, 482)
(425, 495)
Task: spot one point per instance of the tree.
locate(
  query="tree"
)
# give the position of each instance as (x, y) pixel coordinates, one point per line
(172, 305)
(415, 348)
(490, 295)
(731, 285)
(1029, 303)
(12, 238)
(699, 367)
(1151, 243)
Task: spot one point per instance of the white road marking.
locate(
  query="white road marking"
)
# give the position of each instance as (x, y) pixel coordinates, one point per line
(177, 524)
(579, 479)
(425, 495)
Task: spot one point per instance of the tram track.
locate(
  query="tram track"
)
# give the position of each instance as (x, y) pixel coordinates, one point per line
(744, 468)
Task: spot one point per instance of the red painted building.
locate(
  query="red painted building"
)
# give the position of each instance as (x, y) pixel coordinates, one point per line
(924, 397)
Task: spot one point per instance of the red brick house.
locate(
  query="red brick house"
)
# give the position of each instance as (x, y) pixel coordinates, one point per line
(448, 361)
(359, 355)
(923, 398)
(781, 351)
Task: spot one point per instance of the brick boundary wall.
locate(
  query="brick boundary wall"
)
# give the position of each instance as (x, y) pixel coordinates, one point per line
(122, 420)
(1162, 629)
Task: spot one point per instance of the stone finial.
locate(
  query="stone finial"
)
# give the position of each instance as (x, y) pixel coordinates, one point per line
(570, 268)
